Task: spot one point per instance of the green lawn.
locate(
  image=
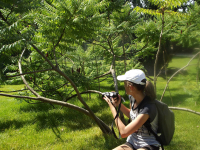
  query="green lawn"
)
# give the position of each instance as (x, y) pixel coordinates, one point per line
(40, 126)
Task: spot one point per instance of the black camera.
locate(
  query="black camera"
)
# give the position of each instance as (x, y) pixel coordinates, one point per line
(110, 94)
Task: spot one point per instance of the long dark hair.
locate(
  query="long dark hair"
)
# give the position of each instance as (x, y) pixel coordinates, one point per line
(148, 88)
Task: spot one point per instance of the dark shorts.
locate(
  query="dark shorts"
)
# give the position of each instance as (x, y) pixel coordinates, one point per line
(148, 147)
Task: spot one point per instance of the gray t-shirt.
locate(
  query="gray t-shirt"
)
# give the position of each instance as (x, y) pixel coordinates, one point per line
(142, 137)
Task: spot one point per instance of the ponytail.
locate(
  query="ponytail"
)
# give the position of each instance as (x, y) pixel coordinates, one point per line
(149, 90)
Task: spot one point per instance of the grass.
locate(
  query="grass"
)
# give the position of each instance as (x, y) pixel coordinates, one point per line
(40, 126)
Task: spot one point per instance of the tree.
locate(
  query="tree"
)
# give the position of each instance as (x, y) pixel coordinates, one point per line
(165, 8)
(49, 31)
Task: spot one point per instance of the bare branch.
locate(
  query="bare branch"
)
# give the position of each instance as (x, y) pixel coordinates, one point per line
(49, 62)
(166, 76)
(47, 100)
(115, 80)
(159, 47)
(29, 73)
(176, 73)
(185, 109)
(85, 92)
(162, 69)
(24, 80)
(70, 60)
(105, 74)
(60, 38)
(14, 91)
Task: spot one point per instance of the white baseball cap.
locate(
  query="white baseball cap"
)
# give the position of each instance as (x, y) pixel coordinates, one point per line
(134, 75)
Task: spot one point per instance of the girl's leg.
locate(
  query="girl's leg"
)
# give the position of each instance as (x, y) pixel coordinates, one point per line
(126, 146)
(149, 147)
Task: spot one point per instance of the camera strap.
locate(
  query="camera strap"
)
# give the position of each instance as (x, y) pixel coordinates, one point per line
(118, 110)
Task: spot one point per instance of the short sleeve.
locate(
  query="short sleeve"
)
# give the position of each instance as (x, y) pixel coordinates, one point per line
(149, 109)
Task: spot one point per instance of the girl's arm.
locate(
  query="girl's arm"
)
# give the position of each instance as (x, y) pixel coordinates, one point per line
(125, 110)
(131, 127)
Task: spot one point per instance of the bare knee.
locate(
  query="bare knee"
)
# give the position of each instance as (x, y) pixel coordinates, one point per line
(123, 147)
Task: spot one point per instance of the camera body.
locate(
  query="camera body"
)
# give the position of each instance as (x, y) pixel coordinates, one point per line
(110, 95)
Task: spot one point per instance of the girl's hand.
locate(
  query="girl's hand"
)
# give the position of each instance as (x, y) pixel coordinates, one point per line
(116, 101)
(107, 99)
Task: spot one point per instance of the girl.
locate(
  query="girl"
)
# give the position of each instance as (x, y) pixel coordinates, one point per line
(138, 89)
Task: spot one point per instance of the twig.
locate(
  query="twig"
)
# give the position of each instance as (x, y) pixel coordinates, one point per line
(60, 38)
(109, 72)
(85, 92)
(29, 73)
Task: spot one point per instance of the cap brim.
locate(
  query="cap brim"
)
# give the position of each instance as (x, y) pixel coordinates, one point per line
(121, 77)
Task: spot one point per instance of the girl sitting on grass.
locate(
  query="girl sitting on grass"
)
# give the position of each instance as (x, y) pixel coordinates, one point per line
(138, 89)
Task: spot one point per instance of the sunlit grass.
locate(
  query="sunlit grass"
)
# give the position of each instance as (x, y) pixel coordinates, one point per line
(40, 126)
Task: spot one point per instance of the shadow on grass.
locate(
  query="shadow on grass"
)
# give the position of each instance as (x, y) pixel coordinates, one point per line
(172, 70)
(176, 99)
(73, 120)
(105, 142)
(15, 124)
(36, 107)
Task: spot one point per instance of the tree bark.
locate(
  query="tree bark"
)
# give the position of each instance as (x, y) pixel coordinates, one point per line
(159, 47)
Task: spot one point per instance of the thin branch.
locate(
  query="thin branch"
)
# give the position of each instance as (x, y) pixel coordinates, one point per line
(176, 73)
(33, 103)
(14, 91)
(144, 46)
(10, 12)
(162, 69)
(49, 62)
(54, 52)
(115, 80)
(105, 74)
(29, 73)
(166, 76)
(70, 60)
(24, 80)
(103, 47)
(185, 109)
(110, 45)
(3, 18)
(159, 47)
(59, 38)
(85, 92)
